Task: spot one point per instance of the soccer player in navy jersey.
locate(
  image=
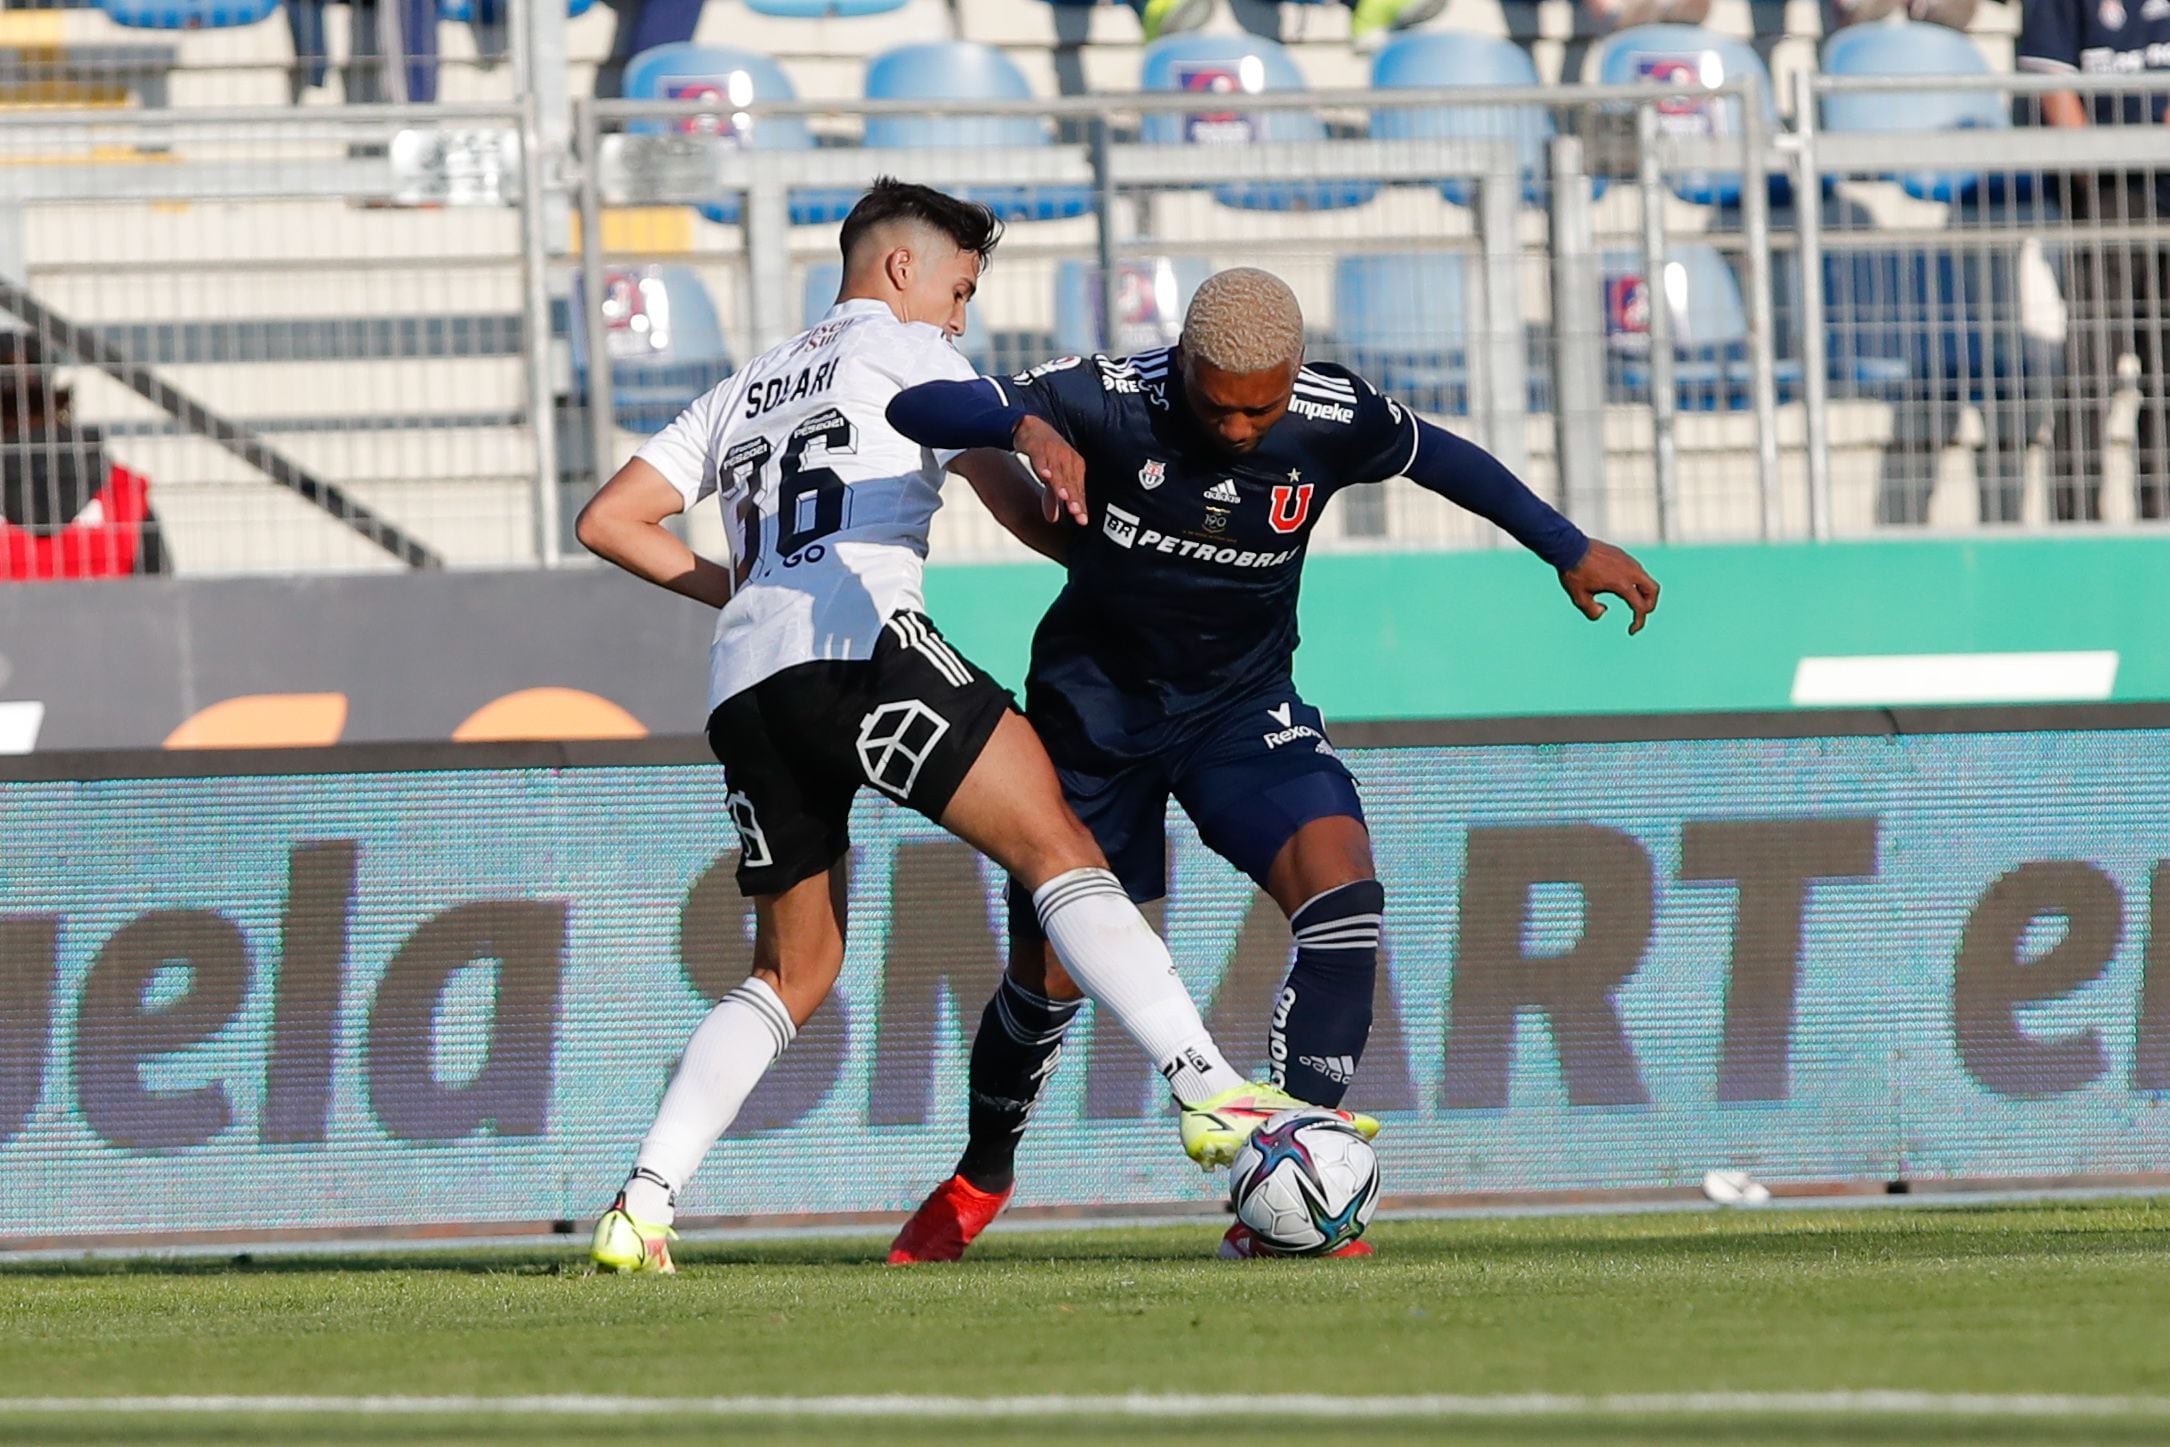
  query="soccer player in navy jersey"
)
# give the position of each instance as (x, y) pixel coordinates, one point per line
(1164, 666)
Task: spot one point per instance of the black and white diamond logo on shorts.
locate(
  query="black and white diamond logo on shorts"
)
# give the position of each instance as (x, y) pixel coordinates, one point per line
(895, 741)
(753, 845)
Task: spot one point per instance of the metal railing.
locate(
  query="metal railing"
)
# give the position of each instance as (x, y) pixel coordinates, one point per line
(1674, 314)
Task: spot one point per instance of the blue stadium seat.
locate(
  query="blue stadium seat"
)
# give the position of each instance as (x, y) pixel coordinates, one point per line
(1673, 55)
(955, 70)
(1913, 48)
(1455, 60)
(1403, 321)
(465, 11)
(822, 9)
(731, 78)
(1230, 66)
(663, 337)
(1151, 294)
(1711, 368)
(187, 14)
(825, 278)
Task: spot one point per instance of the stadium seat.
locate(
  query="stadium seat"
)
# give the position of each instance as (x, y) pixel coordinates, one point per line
(1913, 48)
(1220, 65)
(824, 279)
(1403, 321)
(822, 9)
(955, 70)
(1711, 367)
(663, 337)
(1690, 55)
(733, 78)
(187, 14)
(1151, 294)
(465, 11)
(1455, 60)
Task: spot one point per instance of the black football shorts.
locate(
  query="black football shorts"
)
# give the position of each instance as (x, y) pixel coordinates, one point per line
(796, 747)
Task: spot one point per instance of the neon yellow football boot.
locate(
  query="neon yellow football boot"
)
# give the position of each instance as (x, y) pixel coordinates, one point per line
(624, 1244)
(1214, 1130)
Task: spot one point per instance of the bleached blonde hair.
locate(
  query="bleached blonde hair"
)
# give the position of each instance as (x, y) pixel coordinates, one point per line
(1244, 320)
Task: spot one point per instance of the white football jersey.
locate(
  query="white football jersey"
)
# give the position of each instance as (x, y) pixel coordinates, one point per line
(827, 506)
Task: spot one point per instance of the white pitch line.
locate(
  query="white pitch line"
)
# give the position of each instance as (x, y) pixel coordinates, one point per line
(1137, 1404)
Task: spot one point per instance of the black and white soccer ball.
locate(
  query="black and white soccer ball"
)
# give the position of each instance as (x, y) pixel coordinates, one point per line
(1306, 1182)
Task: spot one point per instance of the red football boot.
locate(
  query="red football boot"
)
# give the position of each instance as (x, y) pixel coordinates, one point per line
(1242, 1244)
(946, 1222)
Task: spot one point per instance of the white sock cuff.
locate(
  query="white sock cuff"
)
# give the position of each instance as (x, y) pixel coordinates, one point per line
(1068, 888)
(757, 995)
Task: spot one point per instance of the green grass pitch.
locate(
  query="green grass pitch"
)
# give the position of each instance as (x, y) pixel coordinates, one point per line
(2071, 1300)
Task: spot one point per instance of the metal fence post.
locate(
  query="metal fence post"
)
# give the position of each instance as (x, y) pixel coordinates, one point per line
(1578, 362)
(535, 338)
(1506, 372)
(1808, 227)
(1109, 300)
(1762, 341)
(536, 34)
(768, 249)
(602, 402)
(1664, 399)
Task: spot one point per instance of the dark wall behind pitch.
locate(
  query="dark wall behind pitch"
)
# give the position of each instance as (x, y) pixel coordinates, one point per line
(122, 664)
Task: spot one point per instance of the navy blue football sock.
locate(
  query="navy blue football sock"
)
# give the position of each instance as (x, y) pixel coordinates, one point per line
(1019, 1040)
(1322, 1016)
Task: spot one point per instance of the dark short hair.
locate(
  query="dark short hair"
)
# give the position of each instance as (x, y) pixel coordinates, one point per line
(972, 226)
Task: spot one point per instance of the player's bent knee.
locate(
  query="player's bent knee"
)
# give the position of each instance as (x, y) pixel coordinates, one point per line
(1345, 920)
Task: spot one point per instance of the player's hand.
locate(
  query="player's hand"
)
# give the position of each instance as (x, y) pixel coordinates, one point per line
(1607, 569)
(1057, 464)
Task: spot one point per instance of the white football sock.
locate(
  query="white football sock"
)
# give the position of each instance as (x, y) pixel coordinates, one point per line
(1115, 957)
(724, 1060)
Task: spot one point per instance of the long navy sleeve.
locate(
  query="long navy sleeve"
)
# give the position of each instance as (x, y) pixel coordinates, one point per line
(1468, 476)
(955, 414)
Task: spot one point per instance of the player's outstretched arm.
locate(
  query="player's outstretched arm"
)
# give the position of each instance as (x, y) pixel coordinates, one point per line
(1464, 473)
(1006, 490)
(974, 414)
(623, 524)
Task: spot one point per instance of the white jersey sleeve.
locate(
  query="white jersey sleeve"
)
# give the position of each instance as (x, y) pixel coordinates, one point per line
(684, 451)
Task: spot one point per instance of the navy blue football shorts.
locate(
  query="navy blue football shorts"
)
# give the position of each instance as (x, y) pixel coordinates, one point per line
(1259, 771)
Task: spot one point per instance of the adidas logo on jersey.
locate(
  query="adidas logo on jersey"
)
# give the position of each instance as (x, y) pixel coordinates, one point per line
(1224, 491)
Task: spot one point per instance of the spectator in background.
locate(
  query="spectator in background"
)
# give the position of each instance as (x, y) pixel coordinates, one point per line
(1369, 20)
(1605, 16)
(2117, 292)
(643, 25)
(391, 49)
(1838, 14)
(65, 510)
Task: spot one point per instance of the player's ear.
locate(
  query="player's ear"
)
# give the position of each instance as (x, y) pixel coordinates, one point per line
(899, 265)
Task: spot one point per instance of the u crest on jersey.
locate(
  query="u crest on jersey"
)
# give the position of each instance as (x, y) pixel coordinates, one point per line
(1291, 505)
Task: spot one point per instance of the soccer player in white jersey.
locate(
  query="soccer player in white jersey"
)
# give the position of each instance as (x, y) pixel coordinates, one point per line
(826, 674)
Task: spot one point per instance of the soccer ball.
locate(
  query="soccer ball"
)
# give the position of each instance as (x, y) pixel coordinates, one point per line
(1306, 1182)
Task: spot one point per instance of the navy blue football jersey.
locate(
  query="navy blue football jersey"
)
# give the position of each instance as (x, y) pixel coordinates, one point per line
(1182, 591)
